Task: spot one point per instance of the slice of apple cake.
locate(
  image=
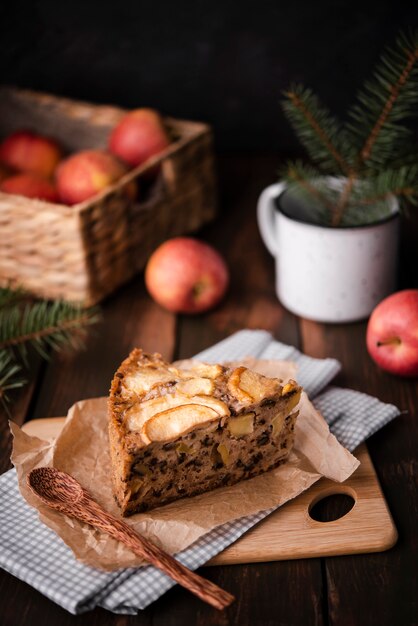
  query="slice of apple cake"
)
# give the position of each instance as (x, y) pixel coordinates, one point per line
(179, 432)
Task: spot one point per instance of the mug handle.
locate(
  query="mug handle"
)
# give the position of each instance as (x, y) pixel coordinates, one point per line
(265, 216)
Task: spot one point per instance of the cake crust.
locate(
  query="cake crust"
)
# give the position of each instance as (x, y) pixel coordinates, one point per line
(181, 431)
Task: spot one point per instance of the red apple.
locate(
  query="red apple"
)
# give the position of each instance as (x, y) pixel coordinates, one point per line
(85, 173)
(392, 333)
(28, 152)
(5, 172)
(30, 186)
(139, 135)
(185, 275)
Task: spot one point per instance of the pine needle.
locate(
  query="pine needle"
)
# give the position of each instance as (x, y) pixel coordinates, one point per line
(370, 153)
(319, 131)
(385, 102)
(304, 183)
(9, 378)
(399, 182)
(44, 326)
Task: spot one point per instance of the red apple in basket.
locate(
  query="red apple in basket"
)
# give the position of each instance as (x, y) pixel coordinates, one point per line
(392, 333)
(139, 135)
(85, 173)
(28, 152)
(5, 172)
(185, 275)
(30, 186)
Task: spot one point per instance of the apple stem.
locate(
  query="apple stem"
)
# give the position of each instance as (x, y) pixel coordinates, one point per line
(387, 342)
(198, 288)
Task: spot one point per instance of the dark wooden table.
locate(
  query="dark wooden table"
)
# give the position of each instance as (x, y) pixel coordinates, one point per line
(365, 589)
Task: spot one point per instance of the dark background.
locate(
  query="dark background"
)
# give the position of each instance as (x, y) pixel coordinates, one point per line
(223, 62)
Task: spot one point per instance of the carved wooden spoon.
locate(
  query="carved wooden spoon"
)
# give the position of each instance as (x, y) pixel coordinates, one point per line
(62, 492)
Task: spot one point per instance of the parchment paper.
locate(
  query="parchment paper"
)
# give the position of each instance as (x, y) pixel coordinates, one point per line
(81, 449)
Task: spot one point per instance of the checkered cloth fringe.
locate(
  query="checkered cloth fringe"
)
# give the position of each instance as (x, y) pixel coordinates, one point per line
(35, 554)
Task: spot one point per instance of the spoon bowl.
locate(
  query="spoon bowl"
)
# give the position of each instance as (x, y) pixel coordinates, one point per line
(54, 486)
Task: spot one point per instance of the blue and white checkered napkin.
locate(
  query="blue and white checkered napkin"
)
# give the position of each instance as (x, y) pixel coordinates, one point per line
(36, 555)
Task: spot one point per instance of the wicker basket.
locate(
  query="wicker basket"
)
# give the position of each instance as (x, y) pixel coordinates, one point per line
(83, 253)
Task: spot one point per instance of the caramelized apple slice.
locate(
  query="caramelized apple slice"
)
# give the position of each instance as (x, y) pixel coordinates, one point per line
(176, 422)
(137, 415)
(235, 389)
(196, 386)
(213, 403)
(257, 386)
(197, 368)
(146, 378)
(249, 387)
(207, 370)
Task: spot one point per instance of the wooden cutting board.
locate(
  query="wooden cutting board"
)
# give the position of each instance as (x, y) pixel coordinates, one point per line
(290, 532)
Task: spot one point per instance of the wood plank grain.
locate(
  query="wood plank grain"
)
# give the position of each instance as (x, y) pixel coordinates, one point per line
(381, 588)
(21, 605)
(267, 594)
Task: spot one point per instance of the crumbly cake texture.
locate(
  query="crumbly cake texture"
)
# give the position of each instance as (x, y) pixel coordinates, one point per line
(180, 432)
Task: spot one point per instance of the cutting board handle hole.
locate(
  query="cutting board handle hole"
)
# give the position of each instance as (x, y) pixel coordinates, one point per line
(330, 505)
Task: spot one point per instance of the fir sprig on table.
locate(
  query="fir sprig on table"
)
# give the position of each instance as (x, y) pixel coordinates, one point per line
(371, 153)
(45, 326)
(10, 376)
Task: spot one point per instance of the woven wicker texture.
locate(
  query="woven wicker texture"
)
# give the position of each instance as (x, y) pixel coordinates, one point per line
(83, 253)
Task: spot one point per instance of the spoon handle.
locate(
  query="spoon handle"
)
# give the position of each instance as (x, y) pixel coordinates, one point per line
(89, 511)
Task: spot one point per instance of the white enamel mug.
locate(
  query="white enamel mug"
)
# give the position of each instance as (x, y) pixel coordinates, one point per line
(329, 274)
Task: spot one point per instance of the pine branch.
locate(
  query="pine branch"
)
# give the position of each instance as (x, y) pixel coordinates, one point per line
(305, 182)
(343, 201)
(43, 325)
(318, 130)
(9, 377)
(396, 182)
(370, 197)
(384, 103)
(370, 152)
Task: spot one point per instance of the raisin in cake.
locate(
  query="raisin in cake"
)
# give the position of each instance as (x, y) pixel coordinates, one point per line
(179, 432)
